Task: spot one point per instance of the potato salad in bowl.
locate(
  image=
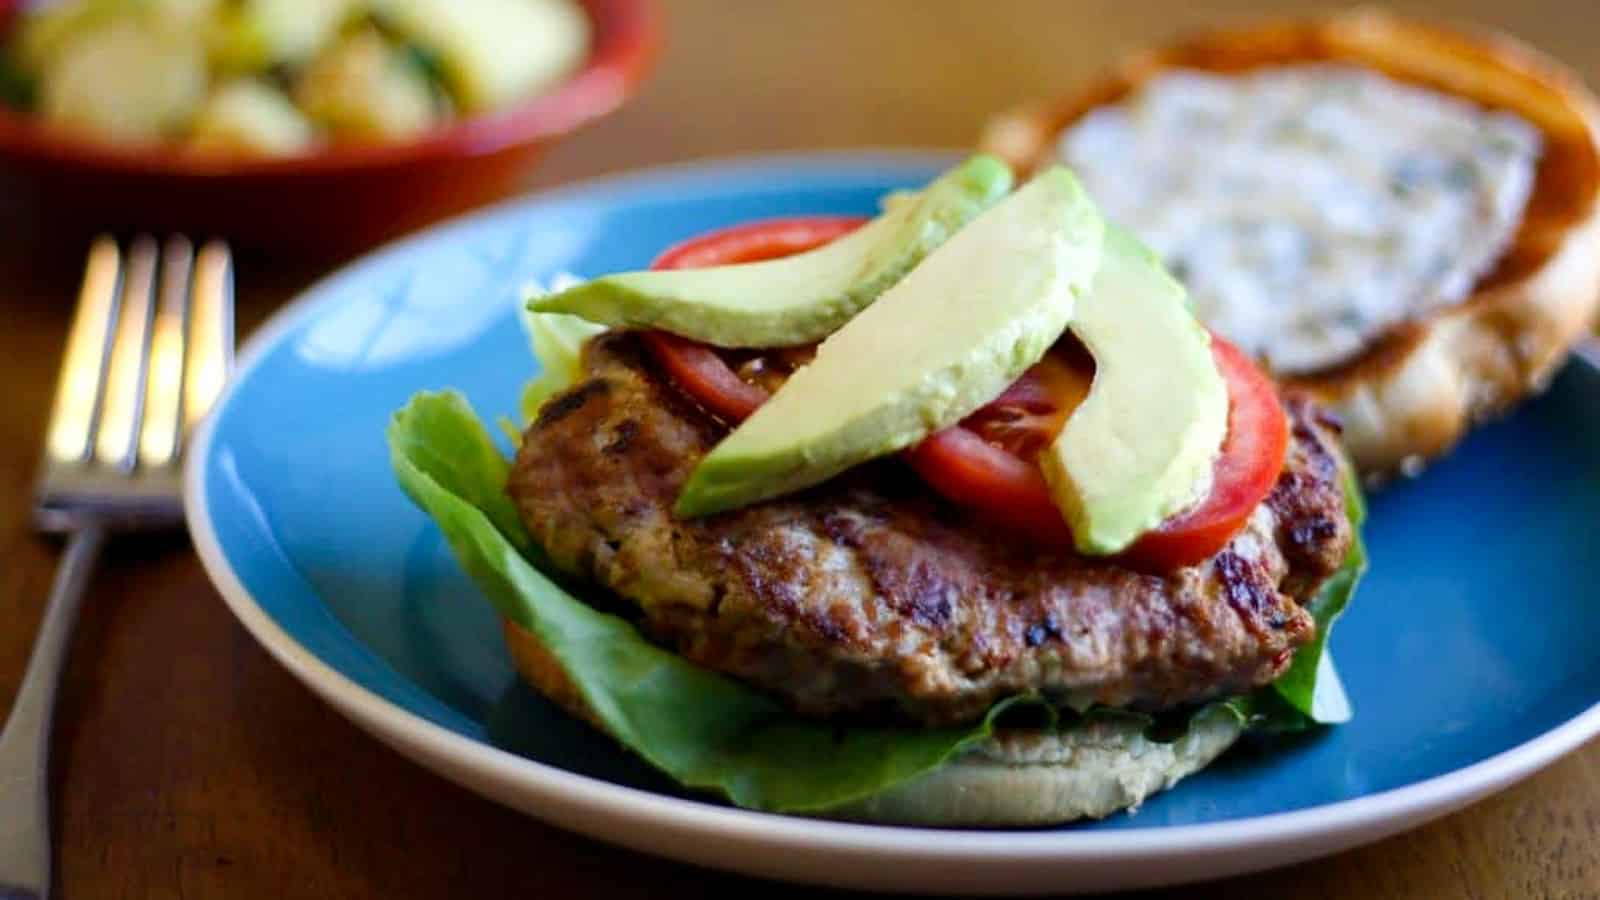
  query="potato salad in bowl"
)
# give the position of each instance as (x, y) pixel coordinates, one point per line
(283, 76)
(319, 127)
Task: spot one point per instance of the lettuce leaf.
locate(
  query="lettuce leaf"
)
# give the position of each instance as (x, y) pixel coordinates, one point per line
(557, 340)
(705, 730)
(701, 728)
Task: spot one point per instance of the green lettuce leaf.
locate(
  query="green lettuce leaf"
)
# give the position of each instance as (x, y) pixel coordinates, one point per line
(703, 729)
(430, 438)
(557, 340)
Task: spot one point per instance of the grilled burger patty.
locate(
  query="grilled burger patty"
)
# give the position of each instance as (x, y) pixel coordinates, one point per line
(870, 596)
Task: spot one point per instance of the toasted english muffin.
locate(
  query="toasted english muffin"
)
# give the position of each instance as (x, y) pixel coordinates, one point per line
(1413, 389)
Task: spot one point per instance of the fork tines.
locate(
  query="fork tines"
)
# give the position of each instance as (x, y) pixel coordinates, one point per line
(149, 348)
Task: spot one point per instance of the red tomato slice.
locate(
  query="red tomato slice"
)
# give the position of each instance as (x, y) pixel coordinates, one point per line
(755, 241)
(961, 465)
(702, 374)
(1252, 457)
(1029, 413)
(999, 485)
(697, 368)
(986, 463)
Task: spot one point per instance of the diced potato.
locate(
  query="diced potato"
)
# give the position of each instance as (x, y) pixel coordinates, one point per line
(494, 52)
(127, 79)
(366, 88)
(45, 29)
(255, 35)
(185, 12)
(251, 116)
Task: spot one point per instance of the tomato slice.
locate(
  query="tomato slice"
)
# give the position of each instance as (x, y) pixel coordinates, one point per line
(1251, 459)
(755, 241)
(1029, 413)
(966, 469)
(986, 463)
(701, 373)
(1000, 486)
(698, 369)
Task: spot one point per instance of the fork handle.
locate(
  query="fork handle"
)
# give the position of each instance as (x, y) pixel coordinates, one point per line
(25, 742)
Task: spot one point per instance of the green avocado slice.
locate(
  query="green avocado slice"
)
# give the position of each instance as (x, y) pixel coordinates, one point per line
(942, 342)
(798, 299)
(1142, 444)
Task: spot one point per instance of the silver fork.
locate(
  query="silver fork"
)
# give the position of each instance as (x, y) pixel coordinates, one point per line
(150, 346)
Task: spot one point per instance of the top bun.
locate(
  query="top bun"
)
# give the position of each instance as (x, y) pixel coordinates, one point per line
(1415, 389)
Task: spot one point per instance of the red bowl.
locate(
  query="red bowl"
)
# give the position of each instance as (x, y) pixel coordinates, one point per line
(329, 202)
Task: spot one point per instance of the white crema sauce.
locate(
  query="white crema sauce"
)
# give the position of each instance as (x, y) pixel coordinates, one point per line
(1309, 207)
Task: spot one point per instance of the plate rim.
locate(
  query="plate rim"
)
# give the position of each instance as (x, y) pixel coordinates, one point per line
(1286, 836)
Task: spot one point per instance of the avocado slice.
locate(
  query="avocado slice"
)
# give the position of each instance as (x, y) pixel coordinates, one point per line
(1141, 445)
(946, 339)
(798, 299)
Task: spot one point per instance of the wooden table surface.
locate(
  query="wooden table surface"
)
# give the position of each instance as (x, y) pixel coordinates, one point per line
(189, 765)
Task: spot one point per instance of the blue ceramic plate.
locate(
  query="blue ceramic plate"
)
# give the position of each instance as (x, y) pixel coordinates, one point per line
(1470, 652)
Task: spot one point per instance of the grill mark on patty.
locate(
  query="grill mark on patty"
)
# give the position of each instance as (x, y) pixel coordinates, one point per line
(912, 588)
(1314, 530)
(829, 626)
(1308, 527)
(1043, 630)
(1243, 590)
(869, 596)
(917, 591)
(564, 405)
(766, 573)
(1325, 418)
(622, 437)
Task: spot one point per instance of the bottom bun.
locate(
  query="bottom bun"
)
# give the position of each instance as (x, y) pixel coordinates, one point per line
(1017, 778)
(1023, 778)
